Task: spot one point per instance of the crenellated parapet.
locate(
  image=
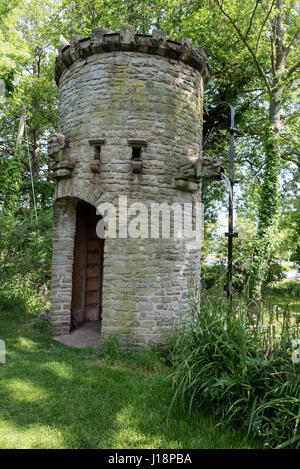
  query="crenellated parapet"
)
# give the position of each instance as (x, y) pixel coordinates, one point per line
(156, 44)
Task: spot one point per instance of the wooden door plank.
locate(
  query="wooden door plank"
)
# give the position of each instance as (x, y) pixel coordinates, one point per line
(77, 309)
(88, 267)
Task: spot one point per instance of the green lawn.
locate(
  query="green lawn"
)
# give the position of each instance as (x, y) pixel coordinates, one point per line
(286, 294)
(52, 396)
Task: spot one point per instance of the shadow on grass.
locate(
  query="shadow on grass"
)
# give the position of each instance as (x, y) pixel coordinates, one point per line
(52, 396)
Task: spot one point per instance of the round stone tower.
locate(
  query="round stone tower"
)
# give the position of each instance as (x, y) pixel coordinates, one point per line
(130, 141)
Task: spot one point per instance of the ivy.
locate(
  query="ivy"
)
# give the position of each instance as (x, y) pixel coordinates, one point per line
(265, 241)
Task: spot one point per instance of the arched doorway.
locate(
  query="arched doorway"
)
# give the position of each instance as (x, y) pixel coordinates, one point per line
(87, 267)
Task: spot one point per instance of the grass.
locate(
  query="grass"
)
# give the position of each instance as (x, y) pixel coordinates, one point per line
(286, 294)
(52, 396)
(242, 367)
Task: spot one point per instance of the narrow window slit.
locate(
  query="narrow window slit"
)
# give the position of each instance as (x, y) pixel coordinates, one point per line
(97, 152)
(136, 153)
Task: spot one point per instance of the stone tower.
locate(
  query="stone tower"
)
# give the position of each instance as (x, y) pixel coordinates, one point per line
(130, 118)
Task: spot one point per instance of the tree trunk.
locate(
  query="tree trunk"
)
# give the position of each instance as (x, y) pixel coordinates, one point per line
(265, 241)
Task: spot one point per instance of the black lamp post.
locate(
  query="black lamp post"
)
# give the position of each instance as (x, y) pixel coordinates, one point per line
(215, 117)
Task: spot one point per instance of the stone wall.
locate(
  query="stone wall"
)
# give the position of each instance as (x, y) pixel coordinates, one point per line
(62, 264)
(117, 96)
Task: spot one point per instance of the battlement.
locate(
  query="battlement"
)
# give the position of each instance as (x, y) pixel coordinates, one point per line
(127, 41)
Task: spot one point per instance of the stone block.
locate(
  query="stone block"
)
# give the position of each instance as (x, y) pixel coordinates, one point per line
(127, 33)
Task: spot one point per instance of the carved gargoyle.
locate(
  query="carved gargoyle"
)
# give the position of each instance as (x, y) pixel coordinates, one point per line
(57, 145)
(203, 167)
(208, 167)
(191, 170)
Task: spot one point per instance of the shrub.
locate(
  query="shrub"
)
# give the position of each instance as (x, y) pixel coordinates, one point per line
(25, 259)
(241, 369)
(274, 274)
(217, 273)
(23, 299)
(24, 250)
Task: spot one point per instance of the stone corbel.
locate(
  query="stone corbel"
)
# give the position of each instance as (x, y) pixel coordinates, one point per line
(63, 169)
(137, 166)
(95, 166)
(185, 184)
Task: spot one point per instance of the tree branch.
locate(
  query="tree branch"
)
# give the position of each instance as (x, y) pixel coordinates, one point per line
(292, 70)
(7, 149)
(248, 103)
(263, 25)
(251, 19)
(293, 41)
(289, 153)
(239, 33)
(290, 118)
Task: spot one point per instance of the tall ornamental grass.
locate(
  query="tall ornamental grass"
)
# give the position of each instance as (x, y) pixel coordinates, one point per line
(242, 368)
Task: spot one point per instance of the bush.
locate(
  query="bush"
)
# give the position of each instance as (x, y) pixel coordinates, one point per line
(213, 274)
(241, 369)
(24, 249)
(274, 274)
(25, 259)
(23, 299)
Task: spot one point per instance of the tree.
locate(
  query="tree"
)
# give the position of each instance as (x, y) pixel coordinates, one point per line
(41, 92)
(271, 26)
(33, 87)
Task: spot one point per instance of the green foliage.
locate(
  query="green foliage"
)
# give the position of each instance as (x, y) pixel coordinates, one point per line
(295, 257)
(24, 300)
(11, 183)
(13, 48)
(25, 259)
(24, 251)
(275, 273)
(244, 373)
(29, 32)
(149, 359)
(295, 219)
(111, 348)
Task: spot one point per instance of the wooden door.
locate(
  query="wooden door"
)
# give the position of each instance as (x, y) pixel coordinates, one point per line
(87, 267)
